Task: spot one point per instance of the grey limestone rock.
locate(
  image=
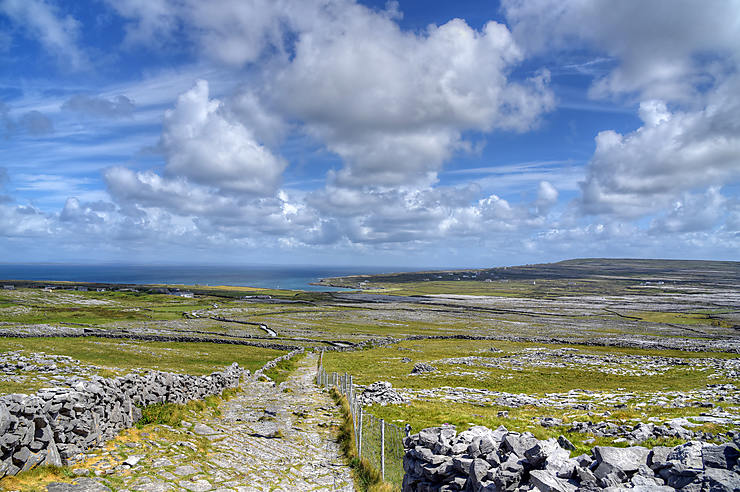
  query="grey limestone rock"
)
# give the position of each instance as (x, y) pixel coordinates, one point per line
(422, 367)
(203, 430)
(719, 480)
(380, 392)
(658, 457)
(723, 456)
(5, 419)
(546, 482)
(689, 455)
(543, 451)
(79, 485)
(521, 462)
(133, 460)
(624, 460)
(519, 443)
(478, 471)
(565, 443)
(56, 424)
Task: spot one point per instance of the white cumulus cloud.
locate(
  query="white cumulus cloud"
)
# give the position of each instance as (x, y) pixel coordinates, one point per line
(207, 146)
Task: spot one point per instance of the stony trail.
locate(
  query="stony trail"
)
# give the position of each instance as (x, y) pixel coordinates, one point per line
(267, 438)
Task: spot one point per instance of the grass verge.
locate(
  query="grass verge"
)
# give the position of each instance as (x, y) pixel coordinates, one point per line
(366, 477)
(283, 369)
(37, 479)
(173, 413)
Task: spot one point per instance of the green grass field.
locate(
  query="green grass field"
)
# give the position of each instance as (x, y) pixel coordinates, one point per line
(118, 357)
(387, 363)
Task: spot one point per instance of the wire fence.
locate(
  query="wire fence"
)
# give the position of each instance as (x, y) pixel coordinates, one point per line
(377, 441)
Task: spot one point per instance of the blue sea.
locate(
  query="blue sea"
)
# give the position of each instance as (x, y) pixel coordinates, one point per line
(272, 277)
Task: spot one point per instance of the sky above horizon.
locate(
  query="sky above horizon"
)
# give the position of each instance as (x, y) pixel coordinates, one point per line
(411, 133)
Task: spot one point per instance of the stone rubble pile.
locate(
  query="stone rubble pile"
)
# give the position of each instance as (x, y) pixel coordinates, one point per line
(421, 367)
(581, 399)
(616, 364)
(53, 425)
(380, 392)
(481, 459)
(16, 361)
(624, 340)
(640, 432)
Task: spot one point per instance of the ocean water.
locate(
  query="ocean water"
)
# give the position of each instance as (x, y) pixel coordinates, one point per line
(272, 277)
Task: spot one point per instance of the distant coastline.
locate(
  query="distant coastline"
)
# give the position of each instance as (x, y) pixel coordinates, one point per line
(267, 277)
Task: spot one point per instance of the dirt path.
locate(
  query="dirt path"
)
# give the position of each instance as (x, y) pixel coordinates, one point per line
(267, 438)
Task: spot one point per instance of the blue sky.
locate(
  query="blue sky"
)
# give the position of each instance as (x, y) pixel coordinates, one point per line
(470, 133)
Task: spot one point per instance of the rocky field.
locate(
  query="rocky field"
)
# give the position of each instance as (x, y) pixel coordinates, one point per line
(604, 354)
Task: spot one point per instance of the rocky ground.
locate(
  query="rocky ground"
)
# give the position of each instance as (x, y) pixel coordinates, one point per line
(275, 438)
(485, 460)
(267, 438)
(44, 368)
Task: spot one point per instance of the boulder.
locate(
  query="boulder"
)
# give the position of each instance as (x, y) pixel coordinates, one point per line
(5, 419)
(565, 443)
(544, 481)
(724, 456)
(718, 480)
(543, 451)
(478, 471)
(625, 460)
(519, 443)
(689, 455)
(658, 457)
(509, 475)
(642, 432)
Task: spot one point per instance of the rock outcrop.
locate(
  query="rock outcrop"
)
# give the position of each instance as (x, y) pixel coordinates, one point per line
(481, 459)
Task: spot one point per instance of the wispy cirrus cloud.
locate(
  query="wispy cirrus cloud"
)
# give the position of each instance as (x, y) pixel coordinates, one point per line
(41, 21)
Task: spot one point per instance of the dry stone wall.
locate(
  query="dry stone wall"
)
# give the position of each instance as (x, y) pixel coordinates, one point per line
(480, 459)
(274, 362)
(55, 424)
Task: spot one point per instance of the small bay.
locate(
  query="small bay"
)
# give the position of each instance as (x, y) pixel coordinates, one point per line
(272, 277)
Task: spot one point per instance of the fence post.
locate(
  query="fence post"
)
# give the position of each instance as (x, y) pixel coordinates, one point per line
(382, 449)
(359, 441)
(354, 417)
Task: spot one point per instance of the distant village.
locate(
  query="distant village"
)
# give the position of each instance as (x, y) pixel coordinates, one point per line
(170, 291)
(84, 288)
